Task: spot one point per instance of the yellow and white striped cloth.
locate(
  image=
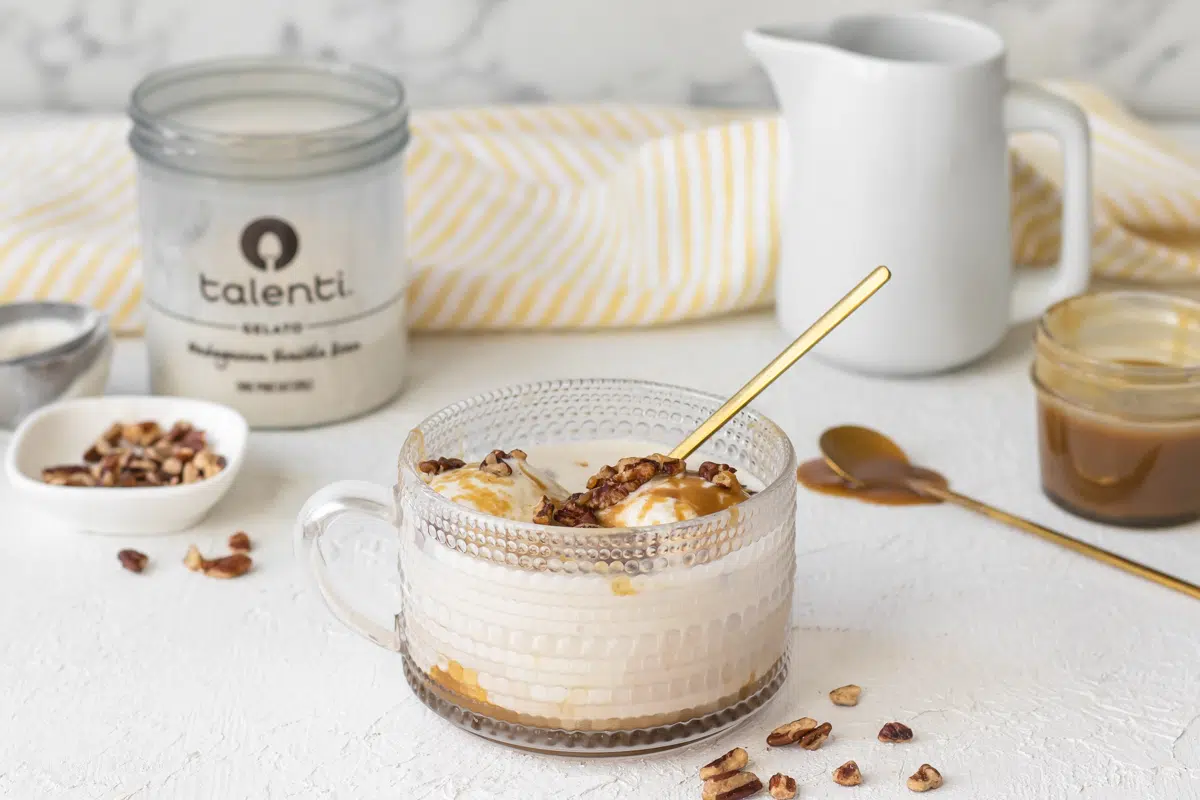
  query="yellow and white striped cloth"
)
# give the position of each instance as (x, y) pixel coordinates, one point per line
(574, 216)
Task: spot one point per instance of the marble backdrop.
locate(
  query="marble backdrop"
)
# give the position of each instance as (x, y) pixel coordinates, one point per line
(88, 53)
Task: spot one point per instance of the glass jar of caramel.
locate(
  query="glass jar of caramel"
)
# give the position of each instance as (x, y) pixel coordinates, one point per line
(1118, 384)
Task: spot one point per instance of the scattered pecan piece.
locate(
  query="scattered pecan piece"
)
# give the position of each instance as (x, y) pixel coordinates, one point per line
(132, 560)
(846, 695)
(848, 774)
(193, 560)
(812, 740)
(894, 732)
(782, 787)
(924, 779)
(494, 464)
(439, 465)
(726, 765)
(732, 787)
(791, 732)
(239, 542)
(233, 566)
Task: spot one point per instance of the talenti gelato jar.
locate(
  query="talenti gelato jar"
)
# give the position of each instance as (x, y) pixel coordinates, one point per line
(272, 222)
(537, 613)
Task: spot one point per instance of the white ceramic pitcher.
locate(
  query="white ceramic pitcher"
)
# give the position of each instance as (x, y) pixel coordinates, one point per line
(897, 126)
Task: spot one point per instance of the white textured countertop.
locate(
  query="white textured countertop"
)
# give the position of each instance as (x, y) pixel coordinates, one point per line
(1025, 671)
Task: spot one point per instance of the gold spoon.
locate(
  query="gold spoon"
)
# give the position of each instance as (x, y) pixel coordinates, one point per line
(855, 452)
(779, 365)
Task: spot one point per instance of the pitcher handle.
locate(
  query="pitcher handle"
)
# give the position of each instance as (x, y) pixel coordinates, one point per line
(337, 500)
(1028, 107)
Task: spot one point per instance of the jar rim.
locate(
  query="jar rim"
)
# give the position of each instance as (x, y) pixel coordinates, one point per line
(769, 490)
(1148, 373)
(158, 135)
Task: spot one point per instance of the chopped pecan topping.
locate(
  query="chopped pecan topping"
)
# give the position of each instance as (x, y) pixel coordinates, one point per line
(847, 774)
(720, 474)
(142, 454)
(544, 513)
(894, 732)
(132, 560)
(812, 740)
(791, 732)
(439, 465)
(239, 542)
(612, 484)
(782, 787)
(494, 464)
(924, 779)
(574, 514)
(846, 695)
(709, 469)
(732, 787)
(731, 762)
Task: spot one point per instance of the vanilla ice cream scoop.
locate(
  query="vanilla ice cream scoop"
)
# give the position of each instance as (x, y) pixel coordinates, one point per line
(503, 485)
(671, 499)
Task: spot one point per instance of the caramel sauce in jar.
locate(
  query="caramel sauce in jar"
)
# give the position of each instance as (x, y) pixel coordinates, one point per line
(1118, 384)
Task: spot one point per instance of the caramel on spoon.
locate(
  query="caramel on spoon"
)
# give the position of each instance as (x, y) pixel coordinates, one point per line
(867, 457)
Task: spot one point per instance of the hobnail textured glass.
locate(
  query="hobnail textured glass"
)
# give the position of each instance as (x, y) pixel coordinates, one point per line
(595, 641)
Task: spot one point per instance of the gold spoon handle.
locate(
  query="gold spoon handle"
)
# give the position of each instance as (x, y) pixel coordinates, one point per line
(804, 342)
(1061, 539)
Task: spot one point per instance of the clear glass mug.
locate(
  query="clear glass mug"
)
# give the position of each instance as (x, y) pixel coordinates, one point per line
(597, 641)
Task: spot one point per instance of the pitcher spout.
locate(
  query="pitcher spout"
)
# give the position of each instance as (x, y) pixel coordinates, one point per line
(787, 53)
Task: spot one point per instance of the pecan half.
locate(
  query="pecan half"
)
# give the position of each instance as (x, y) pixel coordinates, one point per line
(439, 465)
(132, 560)
(812, 740)
(846, 695)
(847, 774)
(791, 732)
(924, 779)
(239, 542)
(732, 787)
(894, 732)
(726, 765)
(782, 787)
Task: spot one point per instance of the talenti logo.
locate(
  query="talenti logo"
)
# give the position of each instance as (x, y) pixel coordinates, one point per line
(270, 245)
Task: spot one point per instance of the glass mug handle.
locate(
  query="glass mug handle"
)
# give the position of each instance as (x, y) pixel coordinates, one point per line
(337, 500)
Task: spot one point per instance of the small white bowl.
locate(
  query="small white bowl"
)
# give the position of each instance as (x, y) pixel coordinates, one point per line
(60, 433)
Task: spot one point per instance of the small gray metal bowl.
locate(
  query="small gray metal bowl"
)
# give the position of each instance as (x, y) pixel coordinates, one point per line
(73, 365)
